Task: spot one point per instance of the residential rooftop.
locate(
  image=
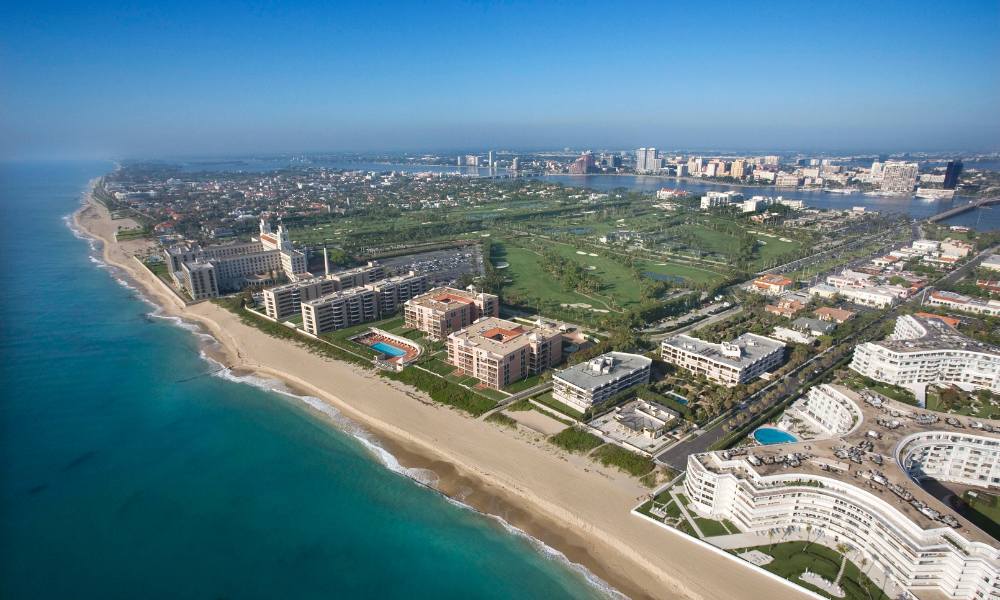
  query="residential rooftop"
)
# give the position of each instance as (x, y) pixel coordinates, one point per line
(937, 335)
(444, 298)
(868, 461)
(603, 369)
(741, 352)
(500, 336)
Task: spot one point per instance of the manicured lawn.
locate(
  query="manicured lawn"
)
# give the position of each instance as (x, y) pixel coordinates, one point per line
(490, 393)
(158, 268)
(767, 249)
(529, 280)
(520, 406)
(794, 558)
(576, 440)
(385, 324)
(527, 382)
(616, 280)
(984, 511)
(857, 382)
(963, 403)
(438, 366)
(688, 272)
(710, 527)
(557, 406)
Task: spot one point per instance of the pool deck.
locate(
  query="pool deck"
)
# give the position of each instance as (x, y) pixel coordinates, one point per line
(409, 349)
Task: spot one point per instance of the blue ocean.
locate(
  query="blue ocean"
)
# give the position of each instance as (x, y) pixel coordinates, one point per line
(131, 468)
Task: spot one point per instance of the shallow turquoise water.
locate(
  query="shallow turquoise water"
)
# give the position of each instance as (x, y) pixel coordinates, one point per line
(387, 349)
(128, 471)
(772, 435)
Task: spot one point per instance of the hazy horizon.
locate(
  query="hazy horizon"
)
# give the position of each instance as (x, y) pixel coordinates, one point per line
(172, 79)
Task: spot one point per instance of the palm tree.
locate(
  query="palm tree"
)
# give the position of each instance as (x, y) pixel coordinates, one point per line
(809, 529)
(843, 549)
(867, 580)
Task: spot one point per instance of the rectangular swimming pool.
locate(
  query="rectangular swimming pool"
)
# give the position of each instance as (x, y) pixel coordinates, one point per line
(388, 350)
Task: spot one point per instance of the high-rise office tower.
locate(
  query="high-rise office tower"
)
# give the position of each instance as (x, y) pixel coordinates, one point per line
(951, 174)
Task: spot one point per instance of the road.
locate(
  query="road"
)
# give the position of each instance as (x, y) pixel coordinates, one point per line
(676, 456)
(835, 252)
(967, 267)
(686, 328)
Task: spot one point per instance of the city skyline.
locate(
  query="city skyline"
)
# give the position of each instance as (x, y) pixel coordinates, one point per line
(169, 79)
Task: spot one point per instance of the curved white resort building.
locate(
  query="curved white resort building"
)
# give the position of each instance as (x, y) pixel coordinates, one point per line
(861, 488)
(927, 350)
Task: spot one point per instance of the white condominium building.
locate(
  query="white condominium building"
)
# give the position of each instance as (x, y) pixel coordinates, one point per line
(877, 296)
(597, 380)
(861, 489)
(828, 409)
(923, 350)
(198, 278)
(728, 363)
(858, 288)
(716, 199)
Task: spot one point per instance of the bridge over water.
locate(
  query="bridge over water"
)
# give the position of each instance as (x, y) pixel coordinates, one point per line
(951, 212)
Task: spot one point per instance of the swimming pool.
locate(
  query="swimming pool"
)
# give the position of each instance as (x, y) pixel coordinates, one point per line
(388, 350)
(771, 435)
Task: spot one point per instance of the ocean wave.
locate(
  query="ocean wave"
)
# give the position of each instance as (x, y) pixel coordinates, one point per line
(100, 264)
(79, 233)
(549, 552)
(423, 477)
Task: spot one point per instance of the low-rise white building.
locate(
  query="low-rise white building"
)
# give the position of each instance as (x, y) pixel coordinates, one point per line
(990, 308)
(992, 263)
(593, 382)
(876, 296)
(729, 363)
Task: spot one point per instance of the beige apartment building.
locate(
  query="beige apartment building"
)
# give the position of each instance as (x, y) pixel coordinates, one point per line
(445, 310)
(498, 352)
(339, 310)
(286, 300)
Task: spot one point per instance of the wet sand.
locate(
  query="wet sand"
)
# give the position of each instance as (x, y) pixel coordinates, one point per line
(569, 503)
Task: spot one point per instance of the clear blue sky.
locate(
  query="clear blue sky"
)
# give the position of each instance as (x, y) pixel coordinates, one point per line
(165, 78)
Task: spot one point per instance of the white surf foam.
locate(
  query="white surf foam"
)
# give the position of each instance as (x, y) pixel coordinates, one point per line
(424, 477)
(549, 552)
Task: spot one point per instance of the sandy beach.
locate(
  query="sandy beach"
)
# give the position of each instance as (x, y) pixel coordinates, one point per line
(568, 502)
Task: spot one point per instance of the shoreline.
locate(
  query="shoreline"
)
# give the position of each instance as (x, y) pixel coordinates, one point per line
(567, 502)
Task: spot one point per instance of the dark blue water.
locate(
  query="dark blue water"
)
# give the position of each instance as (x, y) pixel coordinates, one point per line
(127, 472)
(982, 219)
